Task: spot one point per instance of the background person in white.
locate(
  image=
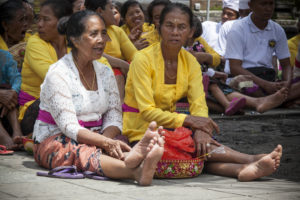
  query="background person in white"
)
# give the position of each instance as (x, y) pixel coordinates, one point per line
(244, 11)
(211, 29)
(253, 40)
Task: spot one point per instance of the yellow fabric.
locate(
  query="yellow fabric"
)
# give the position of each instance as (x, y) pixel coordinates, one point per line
(146, 28)
(39, 55)
(293, 47)
(152, 37)
(210, 50)
(3, 45)
(120, 46)
(104, 61)
(145, 90)
(28, 34)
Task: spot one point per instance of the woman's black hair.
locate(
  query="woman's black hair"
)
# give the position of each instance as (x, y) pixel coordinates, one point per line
(197, 26)
(172, 6)
(8, 10)
(75, 25)
(94, 4)
(152, 5)
(60, 8)
(128, 4)
(117, 5)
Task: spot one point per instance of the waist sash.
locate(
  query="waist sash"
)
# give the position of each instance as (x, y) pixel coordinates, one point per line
(24, 97)
(46, 117)
(127, 108)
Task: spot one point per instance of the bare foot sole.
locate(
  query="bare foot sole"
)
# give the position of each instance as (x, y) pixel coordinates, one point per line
(142, 148)
(273, 100)
(263, 167)
(150, 163)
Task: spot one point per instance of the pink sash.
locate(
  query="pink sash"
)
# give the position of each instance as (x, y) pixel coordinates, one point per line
(46, 117)
(127, 108)
(24, 97)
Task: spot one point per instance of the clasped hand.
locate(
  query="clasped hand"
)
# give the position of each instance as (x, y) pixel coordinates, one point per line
(203, 143)
(204, 124)
(115, 148)
(8, 98)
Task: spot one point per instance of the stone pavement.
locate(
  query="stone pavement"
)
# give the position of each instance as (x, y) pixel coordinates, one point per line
(18, 180)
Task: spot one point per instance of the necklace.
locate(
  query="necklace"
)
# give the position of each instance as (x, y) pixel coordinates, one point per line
(87, 84)
(168, 63)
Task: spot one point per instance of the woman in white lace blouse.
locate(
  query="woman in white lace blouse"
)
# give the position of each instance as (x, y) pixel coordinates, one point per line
(79, 98)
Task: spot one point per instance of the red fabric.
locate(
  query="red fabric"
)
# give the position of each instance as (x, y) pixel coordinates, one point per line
(117, 71)
(179, 144)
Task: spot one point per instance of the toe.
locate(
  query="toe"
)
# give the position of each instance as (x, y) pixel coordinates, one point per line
(153, 126)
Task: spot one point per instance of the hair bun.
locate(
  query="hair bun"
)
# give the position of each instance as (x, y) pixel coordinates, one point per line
(62, 25)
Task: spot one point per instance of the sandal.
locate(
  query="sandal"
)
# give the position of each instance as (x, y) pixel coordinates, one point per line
(68, 172)
(94, 175)
(235, 105)
(4, 151)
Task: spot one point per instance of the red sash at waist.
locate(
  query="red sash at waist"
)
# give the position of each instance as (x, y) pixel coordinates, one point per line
(46, 117)
(24, 97)
(127, 108)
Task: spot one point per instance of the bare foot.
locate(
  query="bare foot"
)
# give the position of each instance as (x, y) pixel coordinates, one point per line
(272, 101)
(7, 141)
(143, 147)
(257, 157)
(263, 167)
(150, 163)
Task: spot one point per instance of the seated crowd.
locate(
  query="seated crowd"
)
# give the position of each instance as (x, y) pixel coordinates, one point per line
(94, 83)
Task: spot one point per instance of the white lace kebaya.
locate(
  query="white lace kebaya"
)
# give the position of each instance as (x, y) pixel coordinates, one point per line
(67, 100)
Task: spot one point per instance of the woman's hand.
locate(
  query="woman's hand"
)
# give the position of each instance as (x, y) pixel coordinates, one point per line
(136, 32)
(141, 43)
(115, 148)
(221, 75)
(203, 143)
(8, 98)
(272, 87)
(204, 124)
(4, 111)
(202, 57)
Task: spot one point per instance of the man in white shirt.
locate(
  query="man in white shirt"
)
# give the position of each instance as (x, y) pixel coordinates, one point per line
(211, 29)
(244, 11)
(251, 43)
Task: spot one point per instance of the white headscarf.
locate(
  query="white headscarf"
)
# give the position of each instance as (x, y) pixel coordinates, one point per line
(232, 4)
(244, 4)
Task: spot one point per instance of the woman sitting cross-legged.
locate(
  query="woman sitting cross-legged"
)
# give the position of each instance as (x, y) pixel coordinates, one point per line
(161, 75)
(79, 100)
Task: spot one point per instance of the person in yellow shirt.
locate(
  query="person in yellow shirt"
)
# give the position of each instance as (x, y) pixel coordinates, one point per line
(13, 23)
(135, 25)
(42, 50)
(293, 45)
(118, 46)
(154, 10)
(162, 74)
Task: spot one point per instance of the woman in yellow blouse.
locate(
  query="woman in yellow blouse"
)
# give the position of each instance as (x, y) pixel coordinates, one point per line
(118, 44)
(43, 49)
(154, 10)
(164, 73)
(135, 25)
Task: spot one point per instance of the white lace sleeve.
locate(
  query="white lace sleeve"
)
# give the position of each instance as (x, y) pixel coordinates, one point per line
(113, 115)
(58, 98)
